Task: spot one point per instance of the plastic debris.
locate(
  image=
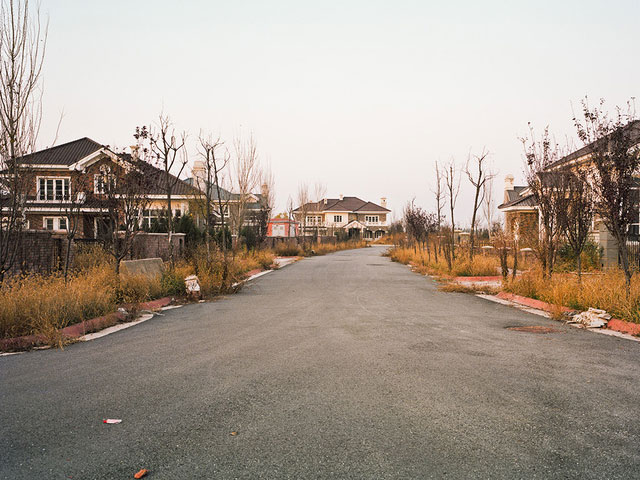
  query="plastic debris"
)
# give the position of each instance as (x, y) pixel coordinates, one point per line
(111, 420)
(141, 473)
(233, 434)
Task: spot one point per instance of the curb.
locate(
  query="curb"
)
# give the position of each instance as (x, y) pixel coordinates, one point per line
(616, 325)
(80, 329)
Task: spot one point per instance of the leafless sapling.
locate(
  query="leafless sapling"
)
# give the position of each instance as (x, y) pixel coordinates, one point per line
(478, 179)
(170, 153)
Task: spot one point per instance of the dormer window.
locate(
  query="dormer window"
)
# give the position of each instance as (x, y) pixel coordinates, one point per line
(53, 188)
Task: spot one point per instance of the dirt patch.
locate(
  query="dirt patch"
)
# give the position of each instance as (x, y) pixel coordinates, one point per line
(535, 329)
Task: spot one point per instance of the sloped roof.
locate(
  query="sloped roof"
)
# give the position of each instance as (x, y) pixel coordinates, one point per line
(634, 132)
(517, 199)
(65, 154)
(346, 204)
(71, 152)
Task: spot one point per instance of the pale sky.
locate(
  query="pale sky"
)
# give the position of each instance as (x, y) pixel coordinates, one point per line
(363, 96)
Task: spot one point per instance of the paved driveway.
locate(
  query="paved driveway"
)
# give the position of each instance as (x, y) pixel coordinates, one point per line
(343, 366)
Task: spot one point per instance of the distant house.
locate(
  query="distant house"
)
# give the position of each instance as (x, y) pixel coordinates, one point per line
(74, 172)
(521, 209)
(254, 204)
(351, 215)
(281, 226)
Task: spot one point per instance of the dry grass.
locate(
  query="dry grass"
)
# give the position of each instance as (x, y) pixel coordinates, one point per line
(38, 304)
(482, 265)
(600, 290)
(42, 304)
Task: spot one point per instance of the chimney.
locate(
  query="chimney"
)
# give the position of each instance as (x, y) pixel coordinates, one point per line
(264, 190)
(341, 196)
(134, 152)
(325, 201)
(383, 202)
(508, 186)
(199, 173)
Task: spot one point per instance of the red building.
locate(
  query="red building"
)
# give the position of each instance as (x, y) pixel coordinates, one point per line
(282, 226)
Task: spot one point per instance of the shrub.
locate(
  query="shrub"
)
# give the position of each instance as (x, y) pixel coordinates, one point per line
(91, 255)
(288, 249)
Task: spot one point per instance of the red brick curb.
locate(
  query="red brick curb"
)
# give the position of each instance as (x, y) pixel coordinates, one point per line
(613, 324)
(78, 329)
(530, 302)
(623, 326)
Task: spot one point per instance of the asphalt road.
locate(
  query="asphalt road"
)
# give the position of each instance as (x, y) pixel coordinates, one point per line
(343, 366)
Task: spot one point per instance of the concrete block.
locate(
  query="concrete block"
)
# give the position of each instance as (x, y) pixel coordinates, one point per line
(149, 267)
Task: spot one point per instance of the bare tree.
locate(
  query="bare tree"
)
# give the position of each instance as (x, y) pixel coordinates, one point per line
(22, 48)
(303, 209)
(247, 175)
(124, 186)
(488, 205)
(546, 188)
(613, 144)
(170, 153)
(452, 183)
(440, 201)
(576, 214)
(267, 202)
(211, 203)
(319, 193)
(478, 180)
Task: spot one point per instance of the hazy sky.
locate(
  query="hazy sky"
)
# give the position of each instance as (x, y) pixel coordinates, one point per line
(361, 95)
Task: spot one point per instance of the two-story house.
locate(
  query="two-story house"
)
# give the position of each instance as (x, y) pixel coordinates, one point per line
(352, 215)
(72, 176)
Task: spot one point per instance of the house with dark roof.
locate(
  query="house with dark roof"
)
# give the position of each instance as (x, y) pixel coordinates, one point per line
(254, 204)
(521, 209)
(351, 215)
(73, 173)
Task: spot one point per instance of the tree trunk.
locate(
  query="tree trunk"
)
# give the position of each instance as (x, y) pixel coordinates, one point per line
(579, 264)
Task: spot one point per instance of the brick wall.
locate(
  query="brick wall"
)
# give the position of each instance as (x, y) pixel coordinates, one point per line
(40, 252)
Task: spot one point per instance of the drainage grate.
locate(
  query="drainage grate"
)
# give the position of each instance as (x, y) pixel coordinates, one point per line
(535, 329)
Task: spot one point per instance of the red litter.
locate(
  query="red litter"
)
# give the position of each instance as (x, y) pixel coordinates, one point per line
(112, 420)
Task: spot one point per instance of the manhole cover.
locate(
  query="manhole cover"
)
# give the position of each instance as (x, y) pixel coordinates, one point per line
(534, 329)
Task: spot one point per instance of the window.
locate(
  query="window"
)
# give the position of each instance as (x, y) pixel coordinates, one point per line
(53, 188)
(54, 223)
(314, 220)
(153, 218)
(337, 219)
(371, 218)
(104, 180)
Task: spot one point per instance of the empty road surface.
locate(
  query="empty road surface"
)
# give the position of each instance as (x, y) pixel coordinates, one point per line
(343, 366)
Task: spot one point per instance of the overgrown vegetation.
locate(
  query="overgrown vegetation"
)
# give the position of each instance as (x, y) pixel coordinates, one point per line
(462, 266)
(603, 290)
(312, 249)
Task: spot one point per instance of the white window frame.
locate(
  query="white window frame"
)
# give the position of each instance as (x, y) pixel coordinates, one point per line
(42, 196)
(314, 220)
(337, 219)
(149, 214)
(372, 218)
(55, 224)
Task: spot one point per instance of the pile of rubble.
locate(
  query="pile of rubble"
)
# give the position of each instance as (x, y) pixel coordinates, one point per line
(592, 318)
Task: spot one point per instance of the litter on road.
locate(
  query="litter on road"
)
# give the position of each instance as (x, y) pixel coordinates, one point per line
(141, 473)
(111, 420)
